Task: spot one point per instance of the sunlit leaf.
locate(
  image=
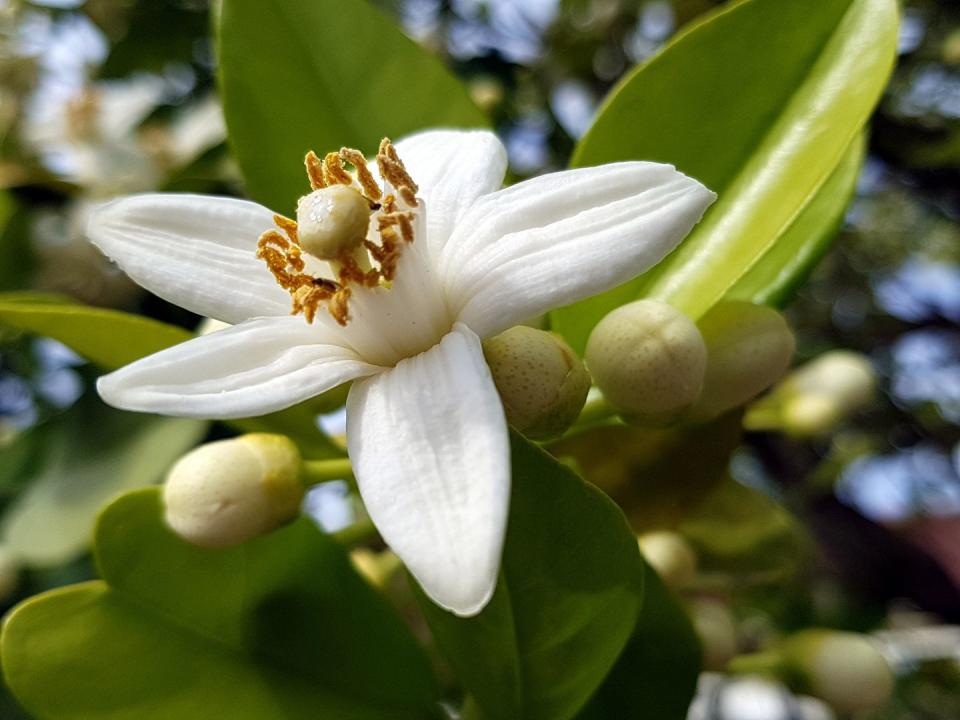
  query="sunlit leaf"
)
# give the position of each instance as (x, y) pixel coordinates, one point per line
(279, 628)
(760, 102)
(109, 338)
(788, 263)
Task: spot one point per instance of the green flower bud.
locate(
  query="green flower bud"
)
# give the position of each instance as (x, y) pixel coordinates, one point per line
(671, 556)
(332, 221)
(715, 626)
(847, 670)
(541, 381)
(649, 361)
(749, 347)
(227, 492)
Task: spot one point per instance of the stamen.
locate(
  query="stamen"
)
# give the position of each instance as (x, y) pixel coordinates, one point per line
(333, 171)
(370, 188)
(314, 171)
(282, 251)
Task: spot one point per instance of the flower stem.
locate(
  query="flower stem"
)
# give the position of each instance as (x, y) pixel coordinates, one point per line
(321, 471)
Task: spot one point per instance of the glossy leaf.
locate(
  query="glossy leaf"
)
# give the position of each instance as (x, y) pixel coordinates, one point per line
(759, 101)
(298, 75)
(109, 338)
(739, 530)
(658, 670)
(791, 260)
(567, 600)
(281, 627)
(87, 457)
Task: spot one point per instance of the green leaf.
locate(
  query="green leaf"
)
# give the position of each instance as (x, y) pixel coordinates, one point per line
(739, 530)
(657, 673)
(88, 456)
(281, 627)
(568, 597)
(298, 75)
(759, 101)
(109, 338)
(788, 263)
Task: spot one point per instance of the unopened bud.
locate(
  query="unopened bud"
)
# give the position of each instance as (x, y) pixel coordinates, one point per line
(227, 492)
(671, 556)
(817, 396)
(847, 670)
(649, 360)
(332, 221)
(541, 381)
(749, 348)
(717, 631)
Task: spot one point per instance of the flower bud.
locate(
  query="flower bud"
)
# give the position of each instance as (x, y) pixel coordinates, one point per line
(847, 670)
(817, 396)
(332, 221)
(649, 360)
(227, 492)
(749, 347)
(717, 631)
(541, 381)
(671, 556)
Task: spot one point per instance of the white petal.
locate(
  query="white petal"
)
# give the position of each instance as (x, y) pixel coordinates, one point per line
(452, 169)
(556, 239)
(196, 251)
(257, 367)
(430, 451)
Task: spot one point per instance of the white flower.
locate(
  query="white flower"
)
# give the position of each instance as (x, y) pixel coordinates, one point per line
(426, 430)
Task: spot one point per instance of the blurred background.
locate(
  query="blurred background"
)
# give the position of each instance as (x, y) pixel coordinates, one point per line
(107, 97)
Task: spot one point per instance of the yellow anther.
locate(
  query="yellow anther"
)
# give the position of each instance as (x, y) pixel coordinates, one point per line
(314, 171)
(364, 176)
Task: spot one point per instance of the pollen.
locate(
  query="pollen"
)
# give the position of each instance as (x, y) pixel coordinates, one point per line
(346, 221)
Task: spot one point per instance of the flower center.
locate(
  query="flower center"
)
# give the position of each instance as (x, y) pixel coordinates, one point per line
(334, 225)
